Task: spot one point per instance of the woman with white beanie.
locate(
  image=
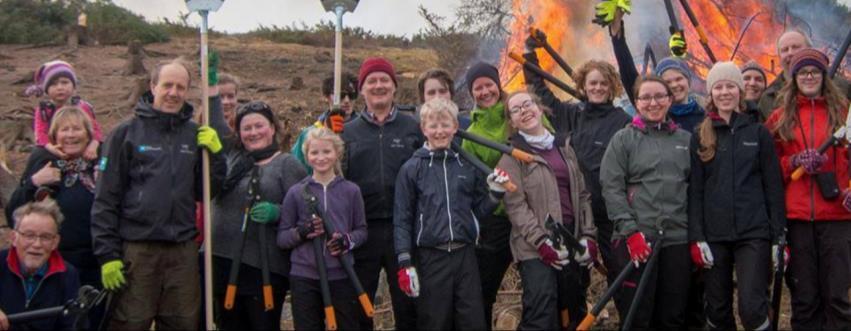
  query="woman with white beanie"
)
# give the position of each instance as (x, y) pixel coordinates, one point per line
(736, 204)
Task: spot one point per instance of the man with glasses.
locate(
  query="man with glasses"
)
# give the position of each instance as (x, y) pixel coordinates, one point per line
(32, 273)
(143, 215)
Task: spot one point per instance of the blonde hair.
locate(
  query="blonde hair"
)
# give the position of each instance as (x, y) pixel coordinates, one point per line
(323, 133)
(67, 114)
(706, 132)
(46, 207)
(437, 108)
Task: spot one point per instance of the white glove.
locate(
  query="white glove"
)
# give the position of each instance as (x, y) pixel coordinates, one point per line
(583, 259)
(496, 179)
(706, 254)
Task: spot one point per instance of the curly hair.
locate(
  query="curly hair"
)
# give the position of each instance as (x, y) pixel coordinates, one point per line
(836, 106)
(610, 74)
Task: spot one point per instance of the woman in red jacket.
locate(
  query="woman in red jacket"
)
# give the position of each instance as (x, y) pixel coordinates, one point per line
(818, 203)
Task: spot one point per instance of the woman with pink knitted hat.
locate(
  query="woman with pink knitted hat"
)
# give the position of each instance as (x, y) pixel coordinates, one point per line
(57, 80)
(818, 204)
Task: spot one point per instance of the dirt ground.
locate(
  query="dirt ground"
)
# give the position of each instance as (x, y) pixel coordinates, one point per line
(287, 76)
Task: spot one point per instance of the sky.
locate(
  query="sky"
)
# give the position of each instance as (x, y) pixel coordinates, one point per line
(398, 17)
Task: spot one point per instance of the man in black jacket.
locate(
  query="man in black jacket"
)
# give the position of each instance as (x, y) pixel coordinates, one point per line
(143, 217)
(378, 142)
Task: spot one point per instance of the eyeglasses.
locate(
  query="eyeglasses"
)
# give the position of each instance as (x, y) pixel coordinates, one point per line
(32, 237)
(526, 105)
(810, 74)
(658, 97)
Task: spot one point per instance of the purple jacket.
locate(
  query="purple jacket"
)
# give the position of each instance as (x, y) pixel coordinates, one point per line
(343, 205)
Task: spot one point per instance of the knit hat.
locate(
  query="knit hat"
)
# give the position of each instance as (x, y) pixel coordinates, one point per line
(722, 71)
(673, 63)
(47, 74)
(374, 64)
(808, 57)
(752, 65)
(479, 70)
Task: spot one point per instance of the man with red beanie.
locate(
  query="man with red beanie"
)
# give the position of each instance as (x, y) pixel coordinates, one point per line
(377, 144)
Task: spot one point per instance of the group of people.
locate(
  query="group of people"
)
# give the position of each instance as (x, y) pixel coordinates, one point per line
(696, 196)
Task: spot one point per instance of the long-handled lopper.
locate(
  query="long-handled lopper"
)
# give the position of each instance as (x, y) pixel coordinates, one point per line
(545, 75)
(233, 277)
(642, 283)
(509, 186)
(502, 148)
(348, 266)
(539, 36)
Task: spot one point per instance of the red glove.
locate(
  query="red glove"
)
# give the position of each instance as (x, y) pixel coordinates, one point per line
(701, 255)
(335, 123)
(409, 282)
(638, 248)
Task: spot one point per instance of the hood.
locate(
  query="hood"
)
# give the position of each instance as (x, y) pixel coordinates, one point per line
(145, 110)
(639, 123)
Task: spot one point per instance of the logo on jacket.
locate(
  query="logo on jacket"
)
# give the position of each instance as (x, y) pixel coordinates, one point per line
(149, 148)
(750, 143)
(102, 163)
(681, 147)
(396, 143)
(185, 149)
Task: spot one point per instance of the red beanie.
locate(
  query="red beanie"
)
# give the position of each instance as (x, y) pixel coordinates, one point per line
(374, 64)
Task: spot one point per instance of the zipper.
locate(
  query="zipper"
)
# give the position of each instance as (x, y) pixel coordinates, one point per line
(37, 287)
(448, 205)
(325, 212)
(420, 232)
(171, 158)
(381, 160)
(733, 145)
(813, 139)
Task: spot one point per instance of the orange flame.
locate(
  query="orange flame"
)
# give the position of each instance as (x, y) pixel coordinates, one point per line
(569, 30)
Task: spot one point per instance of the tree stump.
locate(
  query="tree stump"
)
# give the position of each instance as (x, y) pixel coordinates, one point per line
(135, 59)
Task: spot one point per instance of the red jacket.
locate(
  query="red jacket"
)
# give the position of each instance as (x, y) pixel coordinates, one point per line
(803, 198)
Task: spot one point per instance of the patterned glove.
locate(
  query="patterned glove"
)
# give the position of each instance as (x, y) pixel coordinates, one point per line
(786, 256)
(496, 179)
(846, 199)
(339, 244)
(810, 159)
(264, 212)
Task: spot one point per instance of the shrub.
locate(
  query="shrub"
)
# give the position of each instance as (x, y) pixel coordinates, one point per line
(33, 21)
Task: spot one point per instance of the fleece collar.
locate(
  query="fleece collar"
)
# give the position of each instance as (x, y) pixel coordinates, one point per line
(55, 263)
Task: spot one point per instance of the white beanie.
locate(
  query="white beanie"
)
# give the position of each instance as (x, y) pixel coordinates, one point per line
(725, 71)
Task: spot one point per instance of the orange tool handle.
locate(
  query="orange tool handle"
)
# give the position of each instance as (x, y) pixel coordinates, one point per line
(330, 319)
(522, 156)
(798, 173)
(366, 304)
(509, 186)
(230, 294)
(267, 297)
(587, 322)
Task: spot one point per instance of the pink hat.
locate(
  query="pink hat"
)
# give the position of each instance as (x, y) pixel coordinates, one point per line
(47, 74)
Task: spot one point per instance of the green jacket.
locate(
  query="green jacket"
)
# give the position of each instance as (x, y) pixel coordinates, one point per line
(489, 123)
(644, 175)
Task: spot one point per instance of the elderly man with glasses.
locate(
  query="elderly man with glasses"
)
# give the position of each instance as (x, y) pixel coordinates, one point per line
(32, 273)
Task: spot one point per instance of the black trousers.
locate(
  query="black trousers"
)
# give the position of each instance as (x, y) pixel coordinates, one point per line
(663, 305)
(604, 241)
(494, 255)
(309, 310)
(751, 261)
(820, 274)
(450, 292)
(379, 253)
(249, 311)
(547, 292)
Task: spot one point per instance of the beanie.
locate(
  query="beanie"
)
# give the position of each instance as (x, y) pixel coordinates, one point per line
(479, 70)
(808, 57)
(47, 74)
(374, 64)
(673, 63)
(752, 65)
(722, 71)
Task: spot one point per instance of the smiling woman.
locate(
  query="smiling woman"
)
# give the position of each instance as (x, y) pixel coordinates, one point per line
(70, 181)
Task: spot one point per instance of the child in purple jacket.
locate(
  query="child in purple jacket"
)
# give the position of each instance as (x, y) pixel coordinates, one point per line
(342, 204)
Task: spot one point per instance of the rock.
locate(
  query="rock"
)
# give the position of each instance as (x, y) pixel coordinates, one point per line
(297, 83)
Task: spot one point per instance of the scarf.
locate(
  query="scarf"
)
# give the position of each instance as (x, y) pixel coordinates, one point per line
(77, 169)
(244, 162)
(542, 142)
(689, 107)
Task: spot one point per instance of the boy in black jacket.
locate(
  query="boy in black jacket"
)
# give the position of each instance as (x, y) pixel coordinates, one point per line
(436, 190)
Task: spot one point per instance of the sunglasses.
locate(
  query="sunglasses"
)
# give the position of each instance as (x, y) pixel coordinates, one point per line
(255, 106)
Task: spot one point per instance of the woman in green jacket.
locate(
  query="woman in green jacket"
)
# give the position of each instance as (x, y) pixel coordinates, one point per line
(644, 174)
